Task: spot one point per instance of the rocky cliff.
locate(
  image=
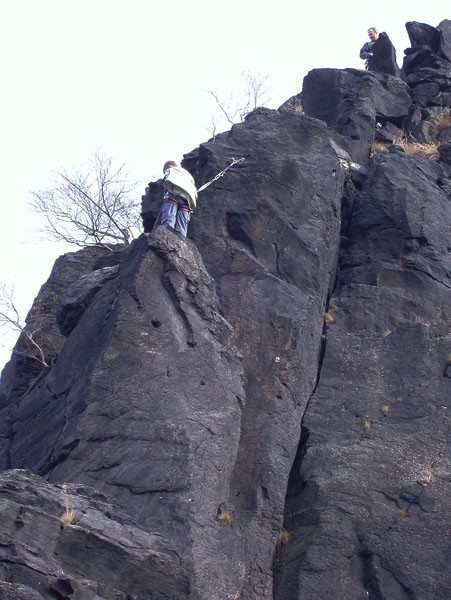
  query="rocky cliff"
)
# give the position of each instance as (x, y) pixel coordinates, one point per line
(260, 410)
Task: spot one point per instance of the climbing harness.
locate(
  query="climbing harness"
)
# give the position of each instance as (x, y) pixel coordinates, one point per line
(235, 161)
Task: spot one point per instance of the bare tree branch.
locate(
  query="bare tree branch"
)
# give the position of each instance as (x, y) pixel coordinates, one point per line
(90, 208)
(9, 315)
(254, 93)
(229, 114)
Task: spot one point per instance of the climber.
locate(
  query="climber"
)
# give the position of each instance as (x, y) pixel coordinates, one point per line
(179, 198)
(180, 195)
(366, 51)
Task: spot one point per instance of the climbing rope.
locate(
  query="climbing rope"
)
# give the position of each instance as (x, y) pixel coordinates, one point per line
(216, 177)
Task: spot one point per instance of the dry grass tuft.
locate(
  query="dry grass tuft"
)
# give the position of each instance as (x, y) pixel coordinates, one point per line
(427, 150)
(283, 538)
(378, 147)
(426, 476)
(442, 120)
(224, 517)
(67, 517)
(401, 514)
(328, 317)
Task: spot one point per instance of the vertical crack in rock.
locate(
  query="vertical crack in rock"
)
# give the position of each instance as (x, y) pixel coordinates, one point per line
(363, 422)
(272, 271)
(299, 511)
(262, 409)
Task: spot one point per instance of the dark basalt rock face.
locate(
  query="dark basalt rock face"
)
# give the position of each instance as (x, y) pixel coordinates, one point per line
(51, 534)
(260, 410)
(427, 71)
(384, 56)
(382, 403)
(78, 295)
(357, 103)
(25, 368)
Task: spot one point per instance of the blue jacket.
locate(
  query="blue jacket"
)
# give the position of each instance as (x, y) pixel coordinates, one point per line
(366, 51)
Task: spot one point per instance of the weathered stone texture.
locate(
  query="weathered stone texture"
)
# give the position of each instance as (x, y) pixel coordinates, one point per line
(260, 410)
(372, 477)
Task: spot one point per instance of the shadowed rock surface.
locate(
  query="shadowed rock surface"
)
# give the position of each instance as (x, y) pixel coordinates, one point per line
(73, 542)
(427, 71)
(371, 480)
(260, 410)
(356, 104)
(383, 59)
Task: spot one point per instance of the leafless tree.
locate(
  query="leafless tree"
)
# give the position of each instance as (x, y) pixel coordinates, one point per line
(239, 103)
(257, 89)
(10, 317)
(90, 207)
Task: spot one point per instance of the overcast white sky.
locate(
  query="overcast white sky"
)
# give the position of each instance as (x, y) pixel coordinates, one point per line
(131, 77)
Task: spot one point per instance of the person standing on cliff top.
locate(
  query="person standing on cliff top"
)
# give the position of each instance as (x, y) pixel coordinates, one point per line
(366, 51)
(179, 198)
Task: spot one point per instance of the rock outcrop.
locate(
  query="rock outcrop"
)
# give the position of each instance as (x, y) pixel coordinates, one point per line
(260, 410)
(359, 105)
(383, 59)
(427, 71)
(53, 533)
